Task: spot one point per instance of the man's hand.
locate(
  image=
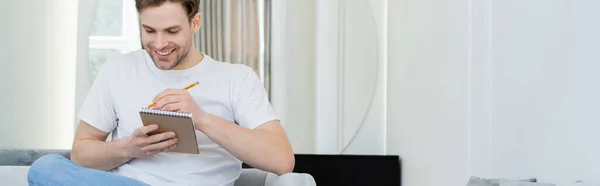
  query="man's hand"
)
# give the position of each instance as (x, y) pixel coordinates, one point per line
(179, 100)
(141, 145)
(266, 147)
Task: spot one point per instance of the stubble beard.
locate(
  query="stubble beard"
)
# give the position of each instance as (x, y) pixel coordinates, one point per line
(178, 61)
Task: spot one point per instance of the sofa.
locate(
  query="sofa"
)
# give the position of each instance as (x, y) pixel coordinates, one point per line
(14, 166)
(477, 181)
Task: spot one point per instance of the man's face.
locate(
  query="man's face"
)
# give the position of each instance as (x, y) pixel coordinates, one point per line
(166, 34)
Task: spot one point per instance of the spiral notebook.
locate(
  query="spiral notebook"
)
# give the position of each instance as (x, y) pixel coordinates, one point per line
(178, 122)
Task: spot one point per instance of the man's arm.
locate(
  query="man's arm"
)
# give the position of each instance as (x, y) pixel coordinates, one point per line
(261, 145)
(91, 150)
(267, 147)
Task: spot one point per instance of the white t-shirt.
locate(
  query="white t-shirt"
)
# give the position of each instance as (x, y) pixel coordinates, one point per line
(129, 82)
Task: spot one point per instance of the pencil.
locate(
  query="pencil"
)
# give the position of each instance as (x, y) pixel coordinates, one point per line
(186, 88)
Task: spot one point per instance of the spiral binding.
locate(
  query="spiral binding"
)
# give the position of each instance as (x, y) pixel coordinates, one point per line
(165, 113)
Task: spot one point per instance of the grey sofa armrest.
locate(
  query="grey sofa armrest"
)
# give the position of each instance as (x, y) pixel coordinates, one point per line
(293, 179)
(256, 177)
(253, 177)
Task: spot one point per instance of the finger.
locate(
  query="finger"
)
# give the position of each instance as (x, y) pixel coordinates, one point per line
(162, 94)
(174, 106)
(166, 92)
(167, 100)
(160, 146)
(169, 148)
(143, 131)
(160, 137)
(151, 153)
(173, 146)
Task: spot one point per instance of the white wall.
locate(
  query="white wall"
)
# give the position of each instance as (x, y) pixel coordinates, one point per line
(544, 93)
(292, 74)
(501, 89)
(362, 77)
(327, 74)
(428, 90)
(350, 77)
(497, 89)
(38, 74)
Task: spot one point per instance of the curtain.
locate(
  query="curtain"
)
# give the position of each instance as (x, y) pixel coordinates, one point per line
(231, 32)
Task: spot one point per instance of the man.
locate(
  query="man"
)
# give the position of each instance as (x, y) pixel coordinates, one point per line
(233, 118)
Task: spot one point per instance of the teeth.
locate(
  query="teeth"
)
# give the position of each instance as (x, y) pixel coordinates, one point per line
(164, 53)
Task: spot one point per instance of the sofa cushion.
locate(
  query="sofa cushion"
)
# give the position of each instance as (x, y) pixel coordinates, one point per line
(522, 183)
(476, 181)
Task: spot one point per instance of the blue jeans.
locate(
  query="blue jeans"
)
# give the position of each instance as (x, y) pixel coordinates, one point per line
(53, 169)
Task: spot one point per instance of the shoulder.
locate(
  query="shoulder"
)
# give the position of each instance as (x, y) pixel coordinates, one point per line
(236, 72)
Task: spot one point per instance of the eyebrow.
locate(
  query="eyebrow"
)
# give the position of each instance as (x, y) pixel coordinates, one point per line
(169, 28)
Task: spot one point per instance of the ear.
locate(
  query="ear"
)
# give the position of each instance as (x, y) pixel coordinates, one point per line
(196, 22)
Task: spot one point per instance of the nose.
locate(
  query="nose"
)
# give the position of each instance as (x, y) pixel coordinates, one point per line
(160, 43)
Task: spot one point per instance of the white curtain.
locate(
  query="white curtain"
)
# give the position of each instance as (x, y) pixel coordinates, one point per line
(230, 32)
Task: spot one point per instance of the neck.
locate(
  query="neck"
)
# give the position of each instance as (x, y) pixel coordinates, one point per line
(193, 58)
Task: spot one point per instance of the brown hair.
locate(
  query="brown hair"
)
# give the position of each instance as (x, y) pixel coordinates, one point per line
(191, 6)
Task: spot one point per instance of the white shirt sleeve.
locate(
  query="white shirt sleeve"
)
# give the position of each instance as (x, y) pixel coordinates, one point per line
(97, 109)
(251, 104)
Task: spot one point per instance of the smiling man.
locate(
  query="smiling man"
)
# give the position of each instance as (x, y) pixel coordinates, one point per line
(233, 118)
